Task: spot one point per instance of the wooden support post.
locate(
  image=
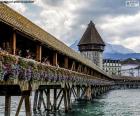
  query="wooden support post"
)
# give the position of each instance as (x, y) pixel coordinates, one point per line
(48, 99)
(35, 100)
(55, 99)
(55, 59)
(26, 99)
(66, 63)
(73, 66)
(78, 92)
(19, 106)
(7, 105)
(28, 106)
(74, 93)
(39, 53)
(60, 101)
(65, 99)
(69, 98)
(85, 70)
(14, 43)
(40, 99)
(79, 68)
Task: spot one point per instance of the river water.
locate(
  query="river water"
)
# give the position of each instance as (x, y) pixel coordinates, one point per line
(114, 103)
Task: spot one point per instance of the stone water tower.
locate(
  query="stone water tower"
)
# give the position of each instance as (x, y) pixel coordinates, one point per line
(91, 45)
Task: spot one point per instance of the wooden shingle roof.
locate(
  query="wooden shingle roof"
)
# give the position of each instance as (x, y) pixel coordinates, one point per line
(91, 36)
(22, 24)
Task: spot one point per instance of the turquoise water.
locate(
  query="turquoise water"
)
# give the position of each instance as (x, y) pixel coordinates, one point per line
(113, 103)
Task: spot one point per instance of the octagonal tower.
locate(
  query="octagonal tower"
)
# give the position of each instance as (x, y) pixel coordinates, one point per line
(91, 45)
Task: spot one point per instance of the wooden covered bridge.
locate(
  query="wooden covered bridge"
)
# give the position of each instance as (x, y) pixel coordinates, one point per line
(33, 60)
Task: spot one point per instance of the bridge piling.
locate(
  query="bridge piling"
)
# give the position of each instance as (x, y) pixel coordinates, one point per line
(7, 105)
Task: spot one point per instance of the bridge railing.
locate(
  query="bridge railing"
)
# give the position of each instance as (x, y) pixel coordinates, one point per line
(21, 71)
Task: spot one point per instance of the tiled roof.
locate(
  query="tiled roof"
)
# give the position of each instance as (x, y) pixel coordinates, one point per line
(22, 24)
(91, 36)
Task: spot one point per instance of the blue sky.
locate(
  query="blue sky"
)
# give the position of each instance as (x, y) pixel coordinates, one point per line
(68, 19)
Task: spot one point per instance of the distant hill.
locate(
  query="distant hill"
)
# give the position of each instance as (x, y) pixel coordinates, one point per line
(131, 61)
(121, 56)
(74, 45)
(113, 51)
(112, 48)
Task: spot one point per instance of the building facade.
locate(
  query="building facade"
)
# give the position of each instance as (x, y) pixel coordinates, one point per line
(92, 46)
(112, 67)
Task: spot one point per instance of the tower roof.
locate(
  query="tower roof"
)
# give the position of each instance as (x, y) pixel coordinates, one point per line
(91, 36)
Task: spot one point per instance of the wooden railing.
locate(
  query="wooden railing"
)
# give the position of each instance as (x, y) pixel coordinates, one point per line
(21, 71)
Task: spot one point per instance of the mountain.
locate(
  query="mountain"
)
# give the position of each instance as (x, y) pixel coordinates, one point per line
(74, 45)
(119, 56)
(114, 51)
(112, 48)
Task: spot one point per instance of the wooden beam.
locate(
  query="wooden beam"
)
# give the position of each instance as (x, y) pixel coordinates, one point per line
(66, 63)
(55, 98)
(79, 68)
(7, 105)
(73, 66)
(65, 99)
(19, 106)
(39, 53)
(85, 70)
(28, 106)
(35, 100)
(48, 99)
(14, 43)
(55, 59)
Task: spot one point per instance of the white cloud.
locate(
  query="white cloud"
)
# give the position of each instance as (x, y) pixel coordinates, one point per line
(68, 19)
(19, 7)
(122, 30)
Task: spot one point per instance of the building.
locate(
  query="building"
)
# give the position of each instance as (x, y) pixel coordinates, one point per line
(131, 67)
(91, 45)
(112, 67)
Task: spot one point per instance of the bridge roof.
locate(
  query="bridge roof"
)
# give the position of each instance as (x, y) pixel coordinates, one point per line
(22, 24)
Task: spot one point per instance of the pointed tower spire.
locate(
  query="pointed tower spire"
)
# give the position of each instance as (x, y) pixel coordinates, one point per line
(91, 44)
(91, 36)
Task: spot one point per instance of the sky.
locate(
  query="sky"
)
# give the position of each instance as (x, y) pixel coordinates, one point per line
(67, 20)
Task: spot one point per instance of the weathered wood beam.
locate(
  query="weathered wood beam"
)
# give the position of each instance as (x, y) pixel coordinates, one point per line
(85, 70)
(60, 102)
(66, 62)
(39, 53)
(40, 99)
(14, 43)
(65, 99)
(7, 105)
(48, 99)
(19, 106)
(35, 100)
(55, 99)
(55, 61)
(59, 94)
(73, 66)
(79, 68)
(28, 106)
